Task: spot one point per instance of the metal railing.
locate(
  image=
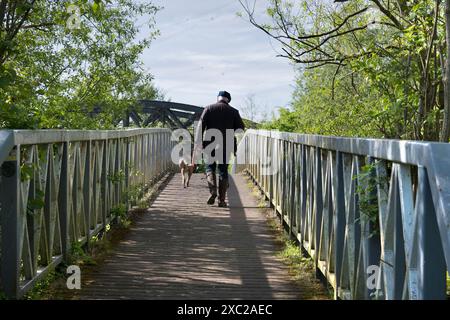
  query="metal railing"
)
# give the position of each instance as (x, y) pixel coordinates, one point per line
(373, 214)
(60, 187)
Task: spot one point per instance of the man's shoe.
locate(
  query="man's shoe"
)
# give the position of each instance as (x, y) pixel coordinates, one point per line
(223, 204)
(211, 199)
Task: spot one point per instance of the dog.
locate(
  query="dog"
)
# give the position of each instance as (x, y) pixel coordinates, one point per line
(186, 172)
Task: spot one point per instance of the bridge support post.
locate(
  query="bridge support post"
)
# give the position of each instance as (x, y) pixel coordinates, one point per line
(318, 195)
(11, 224)
(64, 203)
(304, 195)
(87, 192)
(104, 191)
(339, 221)
(269, 146)
(127, 171)
(430, 255)
(292, 192)
(126, 119)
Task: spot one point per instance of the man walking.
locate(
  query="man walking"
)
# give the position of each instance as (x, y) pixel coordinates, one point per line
(220, 116)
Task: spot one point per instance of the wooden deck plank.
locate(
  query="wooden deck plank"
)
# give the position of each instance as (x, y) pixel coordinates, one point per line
(184, 249)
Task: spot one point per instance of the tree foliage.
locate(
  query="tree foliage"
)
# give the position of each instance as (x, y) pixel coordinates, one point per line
(368, 67)
(59, 60)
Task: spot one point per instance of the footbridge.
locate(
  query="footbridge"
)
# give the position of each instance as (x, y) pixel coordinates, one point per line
(373, 215)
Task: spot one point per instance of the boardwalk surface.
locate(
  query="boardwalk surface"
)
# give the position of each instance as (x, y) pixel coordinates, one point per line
(184, 249)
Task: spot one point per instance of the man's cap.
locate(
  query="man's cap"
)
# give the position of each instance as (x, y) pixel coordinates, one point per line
(225, 94)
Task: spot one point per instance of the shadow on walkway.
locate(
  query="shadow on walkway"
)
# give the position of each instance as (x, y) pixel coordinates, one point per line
(182, 248)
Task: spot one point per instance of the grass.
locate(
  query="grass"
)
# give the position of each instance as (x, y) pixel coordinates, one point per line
(300, 267)
(43, 285)
(54, 283)
(448, 285)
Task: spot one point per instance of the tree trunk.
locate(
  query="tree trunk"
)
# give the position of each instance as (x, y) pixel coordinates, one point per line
(445, 133)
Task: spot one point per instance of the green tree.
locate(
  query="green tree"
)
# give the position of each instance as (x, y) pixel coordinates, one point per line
(390, 55)
(60, 60)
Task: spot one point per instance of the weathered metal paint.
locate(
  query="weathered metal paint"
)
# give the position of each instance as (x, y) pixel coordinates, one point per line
(411, 251)
(57, 187)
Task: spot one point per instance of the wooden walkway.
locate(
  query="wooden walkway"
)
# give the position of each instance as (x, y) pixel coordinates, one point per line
(184, 249)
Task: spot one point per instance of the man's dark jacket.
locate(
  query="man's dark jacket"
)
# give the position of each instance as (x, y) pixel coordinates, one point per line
(221, 116)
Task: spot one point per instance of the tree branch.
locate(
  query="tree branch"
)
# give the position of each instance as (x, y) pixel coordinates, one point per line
(388, 14)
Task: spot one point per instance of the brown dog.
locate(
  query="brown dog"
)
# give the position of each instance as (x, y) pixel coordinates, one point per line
(186, 172)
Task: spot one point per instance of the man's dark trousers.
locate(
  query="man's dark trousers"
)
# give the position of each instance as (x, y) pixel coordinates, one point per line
(222, 168)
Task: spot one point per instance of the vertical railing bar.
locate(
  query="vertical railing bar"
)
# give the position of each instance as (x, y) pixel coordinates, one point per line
(11, 223)
(64, 217)
(87, 190)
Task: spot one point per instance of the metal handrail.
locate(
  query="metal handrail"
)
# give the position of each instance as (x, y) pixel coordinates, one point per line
(60, 187)
(374, 214)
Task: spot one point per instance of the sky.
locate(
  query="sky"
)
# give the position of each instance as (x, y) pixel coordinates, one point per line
(205, 47)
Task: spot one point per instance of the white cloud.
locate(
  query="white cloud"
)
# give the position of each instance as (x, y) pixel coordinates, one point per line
(205, 47)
